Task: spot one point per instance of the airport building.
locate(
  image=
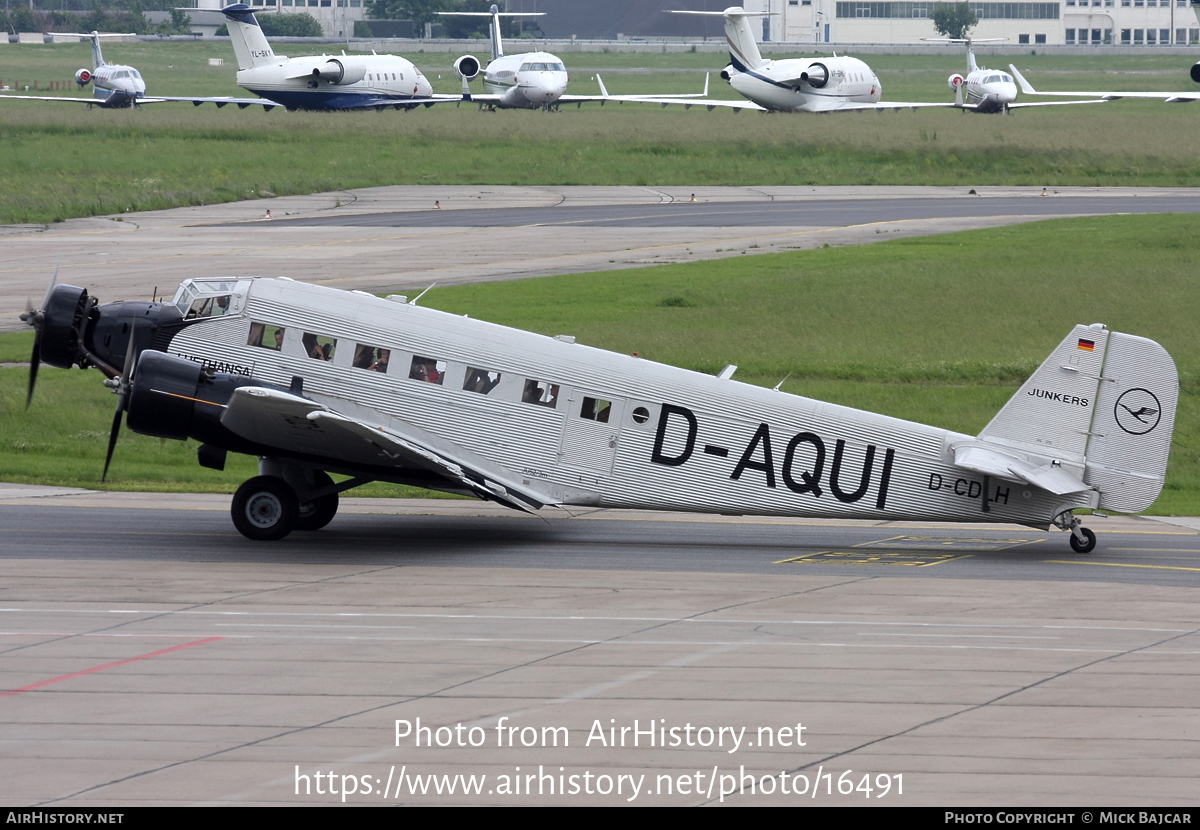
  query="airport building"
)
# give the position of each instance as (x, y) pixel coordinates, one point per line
(1062, 22)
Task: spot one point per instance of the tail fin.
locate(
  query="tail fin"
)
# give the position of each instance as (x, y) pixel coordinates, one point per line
(1104, 401)
(971, 65)
(97, 57)
(743, 49)
(249, 44)
(497, 44)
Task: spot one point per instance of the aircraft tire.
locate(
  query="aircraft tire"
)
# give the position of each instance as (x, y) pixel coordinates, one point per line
(315, 514)
(265, 509)
(1086, 546)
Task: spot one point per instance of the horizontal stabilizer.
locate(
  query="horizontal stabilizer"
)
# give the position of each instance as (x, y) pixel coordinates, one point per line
(989, 462)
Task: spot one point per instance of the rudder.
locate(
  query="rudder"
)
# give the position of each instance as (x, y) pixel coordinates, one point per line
(250, 45)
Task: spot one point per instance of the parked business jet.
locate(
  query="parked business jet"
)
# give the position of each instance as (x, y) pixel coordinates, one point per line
(118, 86)
(313, 380)
(989, 90)
(832, 84)
(526, 80)
(323, 82)
(1168, 97)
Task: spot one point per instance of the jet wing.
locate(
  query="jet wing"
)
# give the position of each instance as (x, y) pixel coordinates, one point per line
(296, 424)
(125, 100)
(991, 462)
(1168, 97)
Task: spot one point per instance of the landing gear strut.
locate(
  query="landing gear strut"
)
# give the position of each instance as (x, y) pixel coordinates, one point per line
(1082, 539)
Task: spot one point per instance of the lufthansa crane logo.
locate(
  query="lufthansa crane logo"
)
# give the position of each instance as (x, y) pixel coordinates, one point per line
(1137, 411)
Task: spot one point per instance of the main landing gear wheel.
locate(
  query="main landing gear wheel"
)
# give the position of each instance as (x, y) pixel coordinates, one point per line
(317, 513)
(1085, 546)
(265, 508)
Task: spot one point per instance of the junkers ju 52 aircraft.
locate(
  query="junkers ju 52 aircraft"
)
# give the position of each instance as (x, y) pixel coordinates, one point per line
(315, 380)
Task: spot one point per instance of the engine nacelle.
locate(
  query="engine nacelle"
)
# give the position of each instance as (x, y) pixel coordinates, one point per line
(172, 397)
(341, 71)
(1196, 72)
(83, 77)
(955, 81)
(816, 76)
(467, 67)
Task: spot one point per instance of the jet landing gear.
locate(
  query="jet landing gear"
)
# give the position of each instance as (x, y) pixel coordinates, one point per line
(267, 508)
(1082, 539)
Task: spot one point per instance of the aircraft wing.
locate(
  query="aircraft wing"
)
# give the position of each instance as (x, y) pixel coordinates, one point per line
(1168, 97)
(992, 462)
(296, 424)
(125, 100)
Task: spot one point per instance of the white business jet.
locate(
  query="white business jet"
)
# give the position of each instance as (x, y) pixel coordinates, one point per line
(832, 84)
(117, 86)
(323, 82)
(986, 90)
(313, 380)
(526, 80)
(1167, 97)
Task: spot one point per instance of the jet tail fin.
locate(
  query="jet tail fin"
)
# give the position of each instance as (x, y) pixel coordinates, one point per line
(743, 49)
(249, 43)
(1103, 402)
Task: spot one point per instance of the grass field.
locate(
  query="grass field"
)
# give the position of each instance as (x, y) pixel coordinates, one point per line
(940, 330)
(62, 161)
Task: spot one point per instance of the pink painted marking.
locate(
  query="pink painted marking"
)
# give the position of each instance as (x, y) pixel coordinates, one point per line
(61, 678)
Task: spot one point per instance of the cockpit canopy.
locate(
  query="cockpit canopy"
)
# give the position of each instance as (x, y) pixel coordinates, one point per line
(198, 299)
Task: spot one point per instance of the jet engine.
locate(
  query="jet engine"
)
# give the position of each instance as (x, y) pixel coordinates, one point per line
(955, 81)
(83, 77)
(816, 76)
(341, 71)
(466, 67)
(1196, 72)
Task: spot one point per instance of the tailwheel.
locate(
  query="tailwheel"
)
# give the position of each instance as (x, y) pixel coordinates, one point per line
(1085, 545)
(265, 508)
(315, 514)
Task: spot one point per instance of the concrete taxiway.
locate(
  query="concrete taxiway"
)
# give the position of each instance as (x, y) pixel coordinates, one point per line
(149, 655)
(392, 239)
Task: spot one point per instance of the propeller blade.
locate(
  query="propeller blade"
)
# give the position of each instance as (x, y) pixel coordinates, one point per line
(34, 360)
(50, 288)
(112, 439)
(122, 399)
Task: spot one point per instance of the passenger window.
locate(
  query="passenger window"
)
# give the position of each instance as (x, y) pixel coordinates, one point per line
(541, 393)
(265, 336)
(208, 307)
(318, 346)
(480, 380)
(371, 358)
(595, 409)
(427, 369)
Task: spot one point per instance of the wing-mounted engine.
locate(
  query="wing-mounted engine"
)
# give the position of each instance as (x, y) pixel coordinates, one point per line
(955, 81)
(341, 71)
(467, 67)
(83, 77)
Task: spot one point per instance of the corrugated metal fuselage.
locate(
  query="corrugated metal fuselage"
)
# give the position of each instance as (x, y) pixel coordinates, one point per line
(672, 440)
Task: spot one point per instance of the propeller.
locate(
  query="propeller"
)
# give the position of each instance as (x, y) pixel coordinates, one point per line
(119, 385)
(35, 318)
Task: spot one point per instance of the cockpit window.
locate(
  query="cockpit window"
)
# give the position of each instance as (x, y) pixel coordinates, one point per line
(265, 336)
(135, 73)
(208, 307)
(554, 67)
(541, 393)
(1006, 78)
(526, 67)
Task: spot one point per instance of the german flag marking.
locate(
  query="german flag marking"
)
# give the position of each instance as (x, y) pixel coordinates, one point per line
(1087, 345)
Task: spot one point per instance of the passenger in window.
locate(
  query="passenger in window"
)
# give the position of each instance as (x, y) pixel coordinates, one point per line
(381, 363)
(278, 339)
(256, 335)
(424, 369)
(480, 381)
(364, 357)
